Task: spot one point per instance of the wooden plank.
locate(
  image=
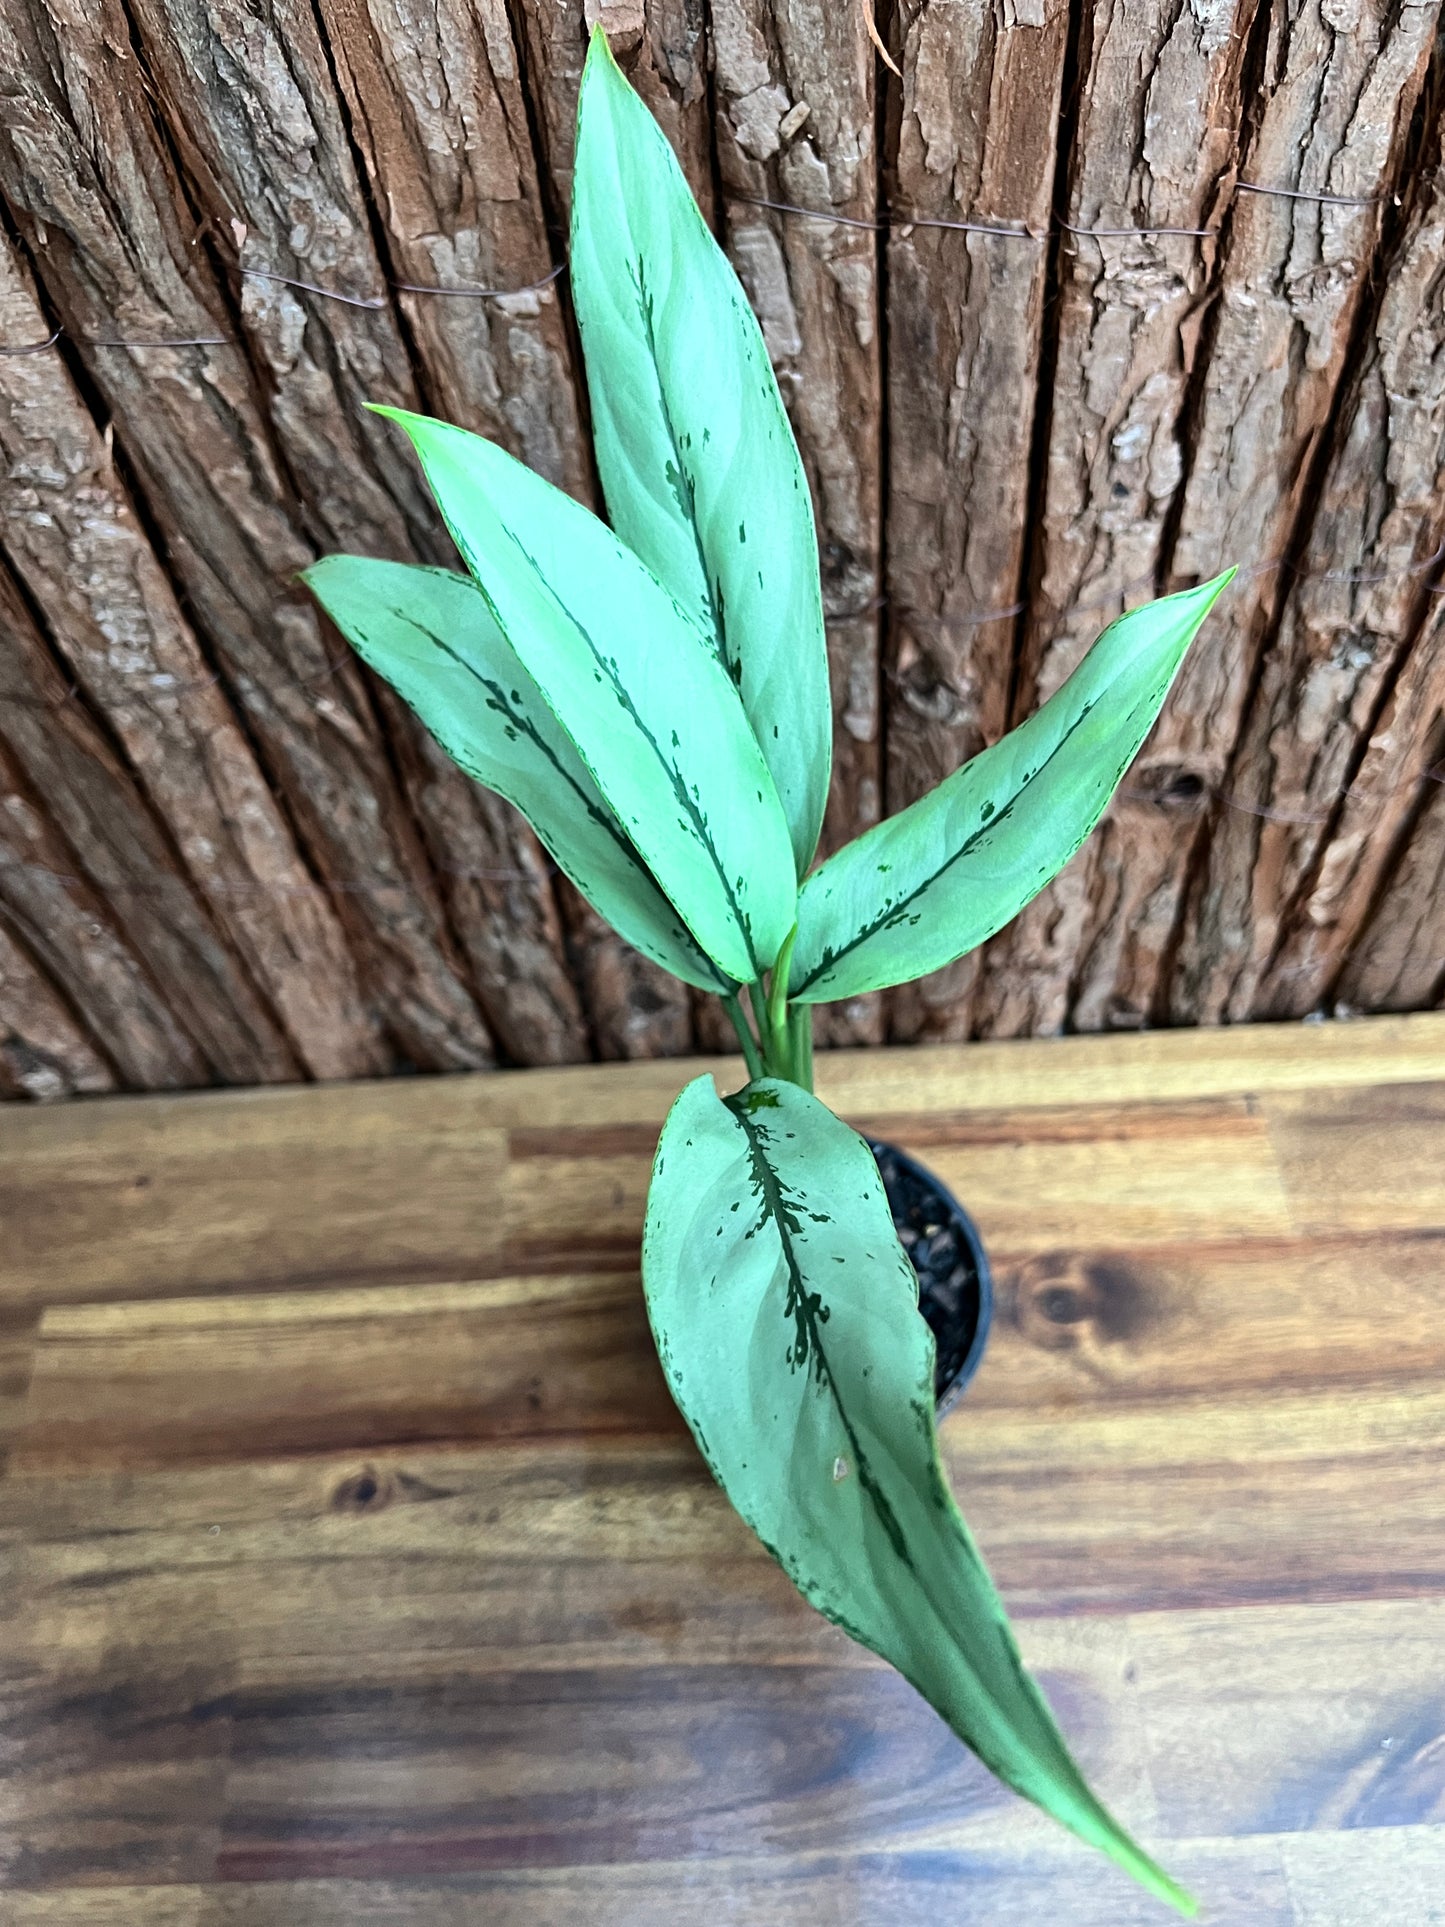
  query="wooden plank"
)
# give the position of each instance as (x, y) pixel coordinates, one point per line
(95, 838)
(193, 1379)
(1243, 1880)
(1176, 1501)
(1381, 1873)
(418, 1170)
(112, 615)
(44, 1053)
(1080, 1328)
(975, 141)
(1248, 1732)
(415, 1601)
(1031, 1181)
(1361, 600)
(84, 164)
(1331, 112)
(1360, 1159)
(813, 281)
(277, 1203)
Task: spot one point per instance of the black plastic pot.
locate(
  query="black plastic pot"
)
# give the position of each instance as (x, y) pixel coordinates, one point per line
(955, 1287)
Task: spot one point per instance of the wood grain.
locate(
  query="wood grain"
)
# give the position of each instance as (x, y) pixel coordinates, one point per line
(91, 182)
(67, 791)
(112, 614)
(1329, 113)
(1257, 940)
(359, 1572)
(813, 281)
(44, 1052)
(975, 142)
(271, 162)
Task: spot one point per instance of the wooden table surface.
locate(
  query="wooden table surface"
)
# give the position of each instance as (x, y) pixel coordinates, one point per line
(357, 1568)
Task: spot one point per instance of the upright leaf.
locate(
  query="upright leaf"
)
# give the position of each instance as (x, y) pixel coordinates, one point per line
(786, 1316)
(920, 889)
(432, 636)
(653, 714)
(701, 472)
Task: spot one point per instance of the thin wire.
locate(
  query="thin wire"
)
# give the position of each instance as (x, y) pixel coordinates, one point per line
(184, 341)
(1300, 194)
(482, 294)
(35, 347)
(371, 301)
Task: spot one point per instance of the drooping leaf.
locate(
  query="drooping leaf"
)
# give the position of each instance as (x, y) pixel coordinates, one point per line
(431, 634)
(786, 1316)
(925, 886)
(634, 683)
(701, 472)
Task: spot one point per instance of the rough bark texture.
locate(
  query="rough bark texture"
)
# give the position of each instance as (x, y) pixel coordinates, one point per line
(1360, 599)
(1398, 774)
(1399, 963)
(661, 45)
(1327, 114)
(272, 163)
(230, 854)
(44, 1053)
(107, 604)
(975, 142)
(91, 183)
(814, 283)
(97, 830)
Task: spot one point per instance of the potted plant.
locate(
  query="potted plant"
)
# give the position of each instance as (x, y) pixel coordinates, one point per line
(654, 698)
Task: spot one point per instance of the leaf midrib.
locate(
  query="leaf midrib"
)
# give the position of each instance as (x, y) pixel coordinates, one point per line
(674, 776)
(775, 1205)
(601, 817)
(831, 958)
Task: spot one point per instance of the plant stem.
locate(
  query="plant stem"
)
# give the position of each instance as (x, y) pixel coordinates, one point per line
(778, 1043)
(800, 1041)
(760, 1013)
(733, 1006)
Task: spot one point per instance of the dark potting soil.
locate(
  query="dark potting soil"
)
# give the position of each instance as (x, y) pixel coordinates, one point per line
(955, 1290)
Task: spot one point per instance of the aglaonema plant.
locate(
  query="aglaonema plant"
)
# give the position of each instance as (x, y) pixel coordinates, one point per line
(653, 697)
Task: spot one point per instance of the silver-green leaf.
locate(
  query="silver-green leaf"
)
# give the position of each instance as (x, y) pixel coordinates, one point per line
(431, 634)
(942, 876)
(786, 1316)
(702, 475)
(634, 683)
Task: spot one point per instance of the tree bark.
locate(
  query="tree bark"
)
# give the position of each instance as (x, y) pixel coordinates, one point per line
(111, 613)
(1330, 110)
(44, 1053)
(813, 281)
(1350, 617)
(975, 142)
(1399, 962)
(1400, 767)
(435, 108)
(203, 1018)
(662, 47)
(93, 187)
(272, 162)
